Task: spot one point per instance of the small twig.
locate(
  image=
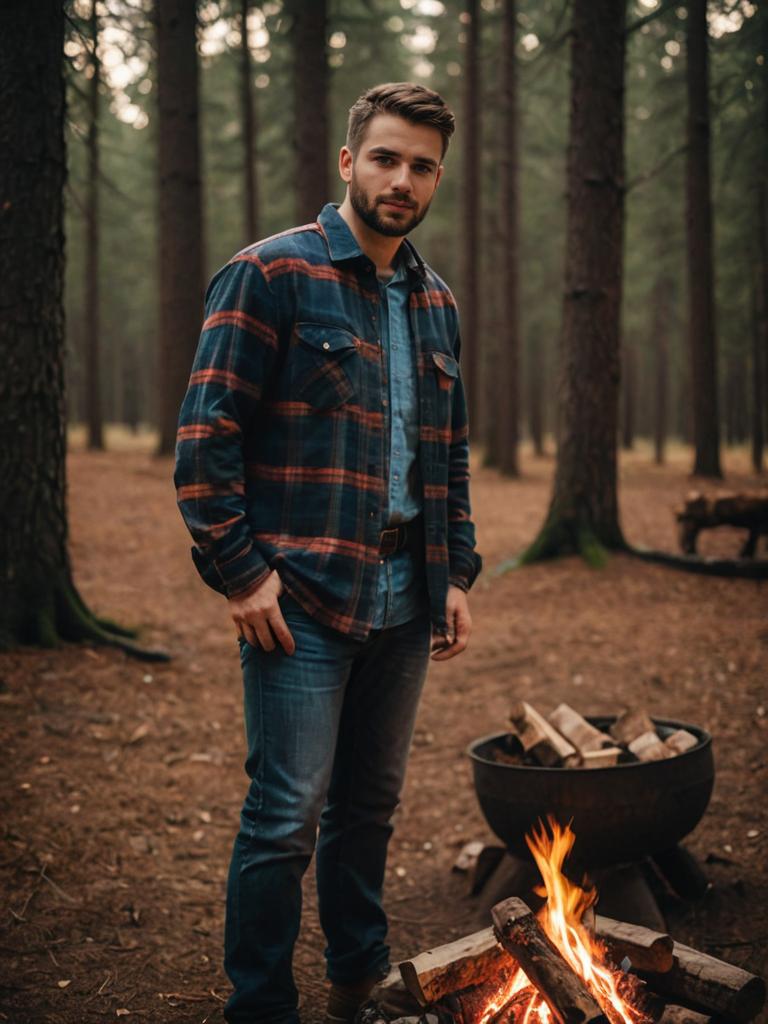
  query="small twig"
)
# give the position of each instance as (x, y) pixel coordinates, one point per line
(55, 961)
(56, 888)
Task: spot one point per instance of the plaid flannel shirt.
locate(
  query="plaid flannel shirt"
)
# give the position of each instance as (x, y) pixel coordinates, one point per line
(281, 457)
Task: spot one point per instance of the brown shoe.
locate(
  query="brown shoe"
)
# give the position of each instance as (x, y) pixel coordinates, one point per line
(345, 1000)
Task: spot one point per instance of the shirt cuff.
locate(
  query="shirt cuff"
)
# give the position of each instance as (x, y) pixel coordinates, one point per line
(232, 574)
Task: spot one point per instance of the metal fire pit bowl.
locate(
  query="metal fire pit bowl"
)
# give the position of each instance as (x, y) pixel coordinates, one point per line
(619, 814)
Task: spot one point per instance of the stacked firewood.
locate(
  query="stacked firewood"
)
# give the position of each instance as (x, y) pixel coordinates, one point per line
(565, 739)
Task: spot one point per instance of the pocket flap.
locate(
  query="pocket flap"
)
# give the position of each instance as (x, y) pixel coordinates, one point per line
(326, 337)
(446, 363)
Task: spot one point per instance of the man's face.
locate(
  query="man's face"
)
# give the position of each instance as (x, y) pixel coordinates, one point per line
(394, 174)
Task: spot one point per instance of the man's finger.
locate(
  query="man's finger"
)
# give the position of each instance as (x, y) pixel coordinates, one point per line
(249, 634)
(281, 631)
(264, 634)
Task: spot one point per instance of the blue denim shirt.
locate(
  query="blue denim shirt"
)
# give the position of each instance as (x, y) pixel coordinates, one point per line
(401, 591)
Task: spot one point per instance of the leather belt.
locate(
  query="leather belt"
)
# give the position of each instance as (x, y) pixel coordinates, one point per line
(404, 535)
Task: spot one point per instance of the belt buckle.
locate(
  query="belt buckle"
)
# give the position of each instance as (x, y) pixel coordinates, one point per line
(388, 541)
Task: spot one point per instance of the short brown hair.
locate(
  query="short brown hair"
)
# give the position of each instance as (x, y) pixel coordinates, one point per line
(414, 103)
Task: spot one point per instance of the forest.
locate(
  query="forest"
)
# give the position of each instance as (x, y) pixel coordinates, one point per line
(603, 224)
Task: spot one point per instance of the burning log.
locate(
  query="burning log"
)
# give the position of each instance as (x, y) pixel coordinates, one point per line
(710, 985)
(647, 950)
(540, 739)
(456, 965)
(523, 938)
(673, 1014)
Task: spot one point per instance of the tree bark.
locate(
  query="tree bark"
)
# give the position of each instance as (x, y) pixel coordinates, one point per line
(250, 180)
(583, 514)
(180, 202)
(38, 601)
(662, 292)
(311, 124)
(508, 407)
(701, 289)
(629, 385)
(536, 396)
(760, 335)
(91, 298)
(471, 209)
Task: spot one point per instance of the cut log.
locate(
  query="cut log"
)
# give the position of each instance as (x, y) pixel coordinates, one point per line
(680, 741)
(648, 747)
(563, 991)
(393, 998)
(578, 731)
(630, 724)
(540, 739)
(710, 985)
(456, 965)
(673, 1014)
(605, 758)
(646, 949)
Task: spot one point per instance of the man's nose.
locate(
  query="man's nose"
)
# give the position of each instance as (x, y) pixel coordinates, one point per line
(402, 179)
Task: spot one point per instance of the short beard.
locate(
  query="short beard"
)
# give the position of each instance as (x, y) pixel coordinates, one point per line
(368, 214)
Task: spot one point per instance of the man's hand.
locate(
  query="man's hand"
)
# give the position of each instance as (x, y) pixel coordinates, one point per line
(459, 626)
(257, 616)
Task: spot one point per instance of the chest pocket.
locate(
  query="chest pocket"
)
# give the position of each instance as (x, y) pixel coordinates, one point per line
(324, 366)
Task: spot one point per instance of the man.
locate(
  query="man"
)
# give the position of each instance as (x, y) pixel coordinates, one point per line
(322, 470)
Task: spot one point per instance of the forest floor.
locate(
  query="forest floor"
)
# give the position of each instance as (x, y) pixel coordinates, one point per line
(121, 782)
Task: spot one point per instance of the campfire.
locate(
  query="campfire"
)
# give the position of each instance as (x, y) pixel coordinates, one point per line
(564, 965)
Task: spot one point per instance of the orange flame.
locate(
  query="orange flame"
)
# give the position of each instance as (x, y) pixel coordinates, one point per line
(561, 919)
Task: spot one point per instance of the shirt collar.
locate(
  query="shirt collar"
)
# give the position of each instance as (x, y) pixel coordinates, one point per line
(342, 244)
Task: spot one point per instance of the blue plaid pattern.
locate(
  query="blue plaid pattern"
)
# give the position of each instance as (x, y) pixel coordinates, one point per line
(281, 450)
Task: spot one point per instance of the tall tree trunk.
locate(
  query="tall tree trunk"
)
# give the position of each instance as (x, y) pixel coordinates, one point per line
(536, 395)
(629, 388)
(311, 125)
(583, 515)
(662, 292)
(250, 180)
(38, 601)
(701, 288)
(91, 303)
(509, 363)
(180, 213)
(760, 330)
(470, 243)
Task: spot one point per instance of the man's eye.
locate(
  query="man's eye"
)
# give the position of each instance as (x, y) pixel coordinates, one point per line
(422, 168)
(383, 159)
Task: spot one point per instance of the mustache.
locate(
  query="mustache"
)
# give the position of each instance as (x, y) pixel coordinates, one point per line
(396, 199)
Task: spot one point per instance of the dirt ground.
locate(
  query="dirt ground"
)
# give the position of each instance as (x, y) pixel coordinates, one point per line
(122, 781)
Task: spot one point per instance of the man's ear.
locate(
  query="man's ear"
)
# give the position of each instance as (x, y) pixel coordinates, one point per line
(345, 164)
(439, 175)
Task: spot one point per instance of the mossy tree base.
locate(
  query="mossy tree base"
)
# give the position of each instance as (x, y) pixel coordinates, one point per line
(573, 536)
(50, 611)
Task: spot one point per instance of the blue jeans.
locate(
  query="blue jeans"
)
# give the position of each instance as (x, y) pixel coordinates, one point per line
(328, 732)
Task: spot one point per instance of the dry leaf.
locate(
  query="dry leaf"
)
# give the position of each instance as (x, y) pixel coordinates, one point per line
(138, 734)
(63, 984)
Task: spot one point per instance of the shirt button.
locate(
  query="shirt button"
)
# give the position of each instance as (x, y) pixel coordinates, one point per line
(381, 561)
(326, 345)
(384, 401)
(396, 476)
